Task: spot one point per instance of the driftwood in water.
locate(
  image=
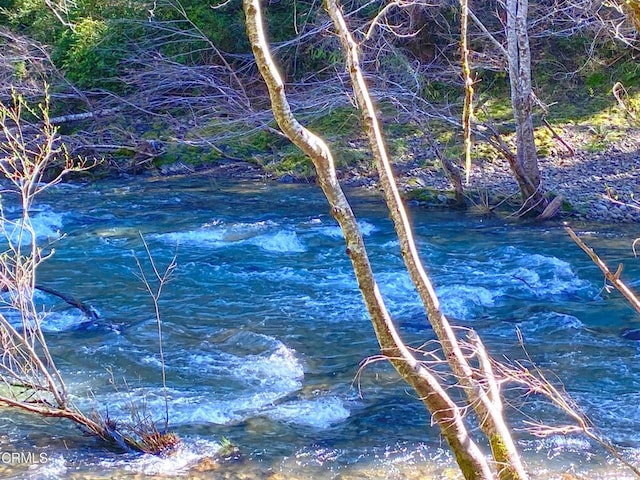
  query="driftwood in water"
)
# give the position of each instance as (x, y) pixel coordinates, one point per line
(614, 278)
(88, 310)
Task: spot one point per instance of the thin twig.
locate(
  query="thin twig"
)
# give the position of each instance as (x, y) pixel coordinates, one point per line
(614, 278)
(161, 279)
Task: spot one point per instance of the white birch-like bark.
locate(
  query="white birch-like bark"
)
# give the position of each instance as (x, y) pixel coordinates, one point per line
(488, 409)
(525, 163)
(443, 410)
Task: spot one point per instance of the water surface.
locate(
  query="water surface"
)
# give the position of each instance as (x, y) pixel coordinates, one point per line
(264, 331)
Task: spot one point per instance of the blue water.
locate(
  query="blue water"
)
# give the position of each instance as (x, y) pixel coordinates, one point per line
(264, 330)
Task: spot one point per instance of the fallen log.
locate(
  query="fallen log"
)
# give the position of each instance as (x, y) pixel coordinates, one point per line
(88, 310)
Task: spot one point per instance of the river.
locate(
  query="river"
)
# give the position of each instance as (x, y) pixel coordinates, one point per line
(264, 332)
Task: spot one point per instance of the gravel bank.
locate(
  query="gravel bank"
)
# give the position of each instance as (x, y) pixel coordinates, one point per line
(602, 186)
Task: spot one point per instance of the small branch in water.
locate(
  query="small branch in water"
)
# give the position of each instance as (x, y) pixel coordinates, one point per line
(88, 310)
(161, 279)
(614, 278)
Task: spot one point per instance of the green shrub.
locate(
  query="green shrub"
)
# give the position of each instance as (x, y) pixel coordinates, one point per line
(79, 56)
(33, 18)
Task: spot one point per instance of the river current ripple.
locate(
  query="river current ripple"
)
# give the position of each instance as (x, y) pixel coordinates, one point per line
(264, 331)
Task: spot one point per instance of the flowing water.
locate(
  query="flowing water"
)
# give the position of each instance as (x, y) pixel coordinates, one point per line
(264, 331)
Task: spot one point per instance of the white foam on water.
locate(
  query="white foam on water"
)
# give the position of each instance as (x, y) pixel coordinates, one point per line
(54, 467)
(319, 413)
(550, 322)
(464, 301)
(260, 381)
(510, 272)
(187, 407)
(49, 321)
(280, 368)
(46, 224)
(185, 457)
(395, 283)
(545, 276)
(613, 408)
(204, 236)
(335, 231)
(217, 234)
(152, 360)
(60, 322)
(367, 228)
(242, 231)
(565, 443)
(284, 241)
(287, 275)
(117, 233)
(277, 367)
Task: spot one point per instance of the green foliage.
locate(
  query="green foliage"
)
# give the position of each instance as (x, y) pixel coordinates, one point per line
(596, 80)
(20, 70)
(495, 109)
(632, 108)
(315, 57)
(259, 142)
(93, 52)
(288, 161)
(545, 141)
(340, 122)
(89, 49)
(285, 18)
(431, 196)
(33, 18)
(407, 129)
(264, 141)
(627, 72)
(79, 56)
(297, 164)
(602, 136)
(112, 9)
(440, 92)
(222, 26)
(188, 155)
(228, 449)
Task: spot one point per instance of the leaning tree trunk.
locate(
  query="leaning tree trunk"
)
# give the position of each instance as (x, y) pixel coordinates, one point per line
(485, 400)
(525, 163)
(444, 411)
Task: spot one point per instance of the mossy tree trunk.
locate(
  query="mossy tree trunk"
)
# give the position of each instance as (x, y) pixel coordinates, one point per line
(632, 10)
(524, 164)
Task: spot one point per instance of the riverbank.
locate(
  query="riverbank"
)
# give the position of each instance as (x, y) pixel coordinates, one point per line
(596, 185)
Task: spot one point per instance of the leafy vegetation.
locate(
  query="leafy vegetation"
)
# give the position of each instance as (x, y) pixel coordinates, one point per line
(183, 76)
(164, 83)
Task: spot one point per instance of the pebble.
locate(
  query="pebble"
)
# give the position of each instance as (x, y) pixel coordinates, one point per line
(601, 186)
